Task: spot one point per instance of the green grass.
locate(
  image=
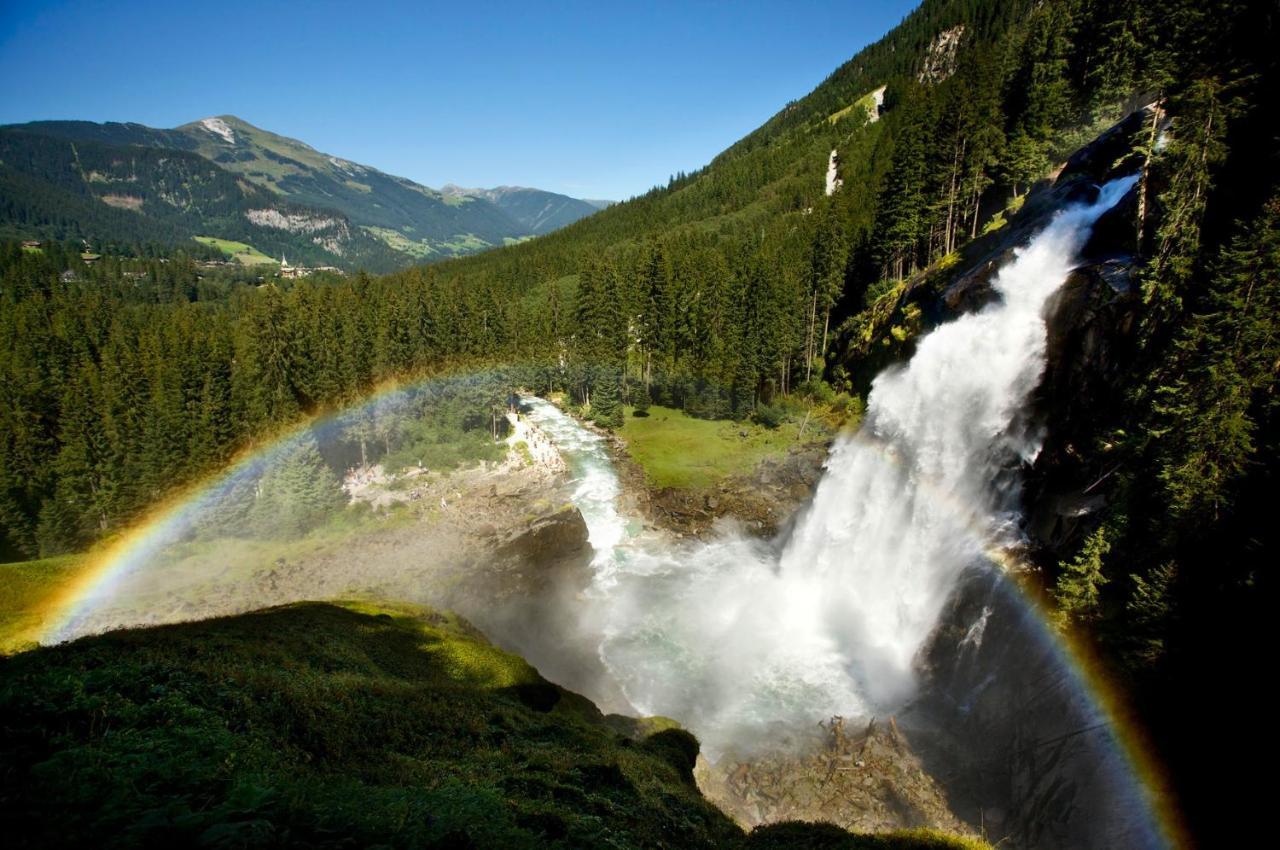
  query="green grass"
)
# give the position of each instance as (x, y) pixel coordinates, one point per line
(208, 567)
(866, 103)
(464, 243)
(329, 726)
(246, 255)
(522, 449)
(677, 450)
(326, 726)
(26, 590)
(399, 242)
(1001, 218)
(460, 244)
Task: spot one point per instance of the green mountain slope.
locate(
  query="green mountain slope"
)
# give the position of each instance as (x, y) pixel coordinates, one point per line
(409, 218)
(535, 210)
(325, 726)
(125, 195)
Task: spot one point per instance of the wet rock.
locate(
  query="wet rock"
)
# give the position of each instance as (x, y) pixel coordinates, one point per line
(1115, 233)
(1031, 778)
(863, 776)
(1092, 325)
(972, 291)
(1114, 152)
(547, 543)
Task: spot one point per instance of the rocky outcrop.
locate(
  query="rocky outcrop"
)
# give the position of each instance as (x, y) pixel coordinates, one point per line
(1110, 155)
(549, 550)
(295, 222)
(1092, 325)
(763, 503)
(939, 61)
(862, 776)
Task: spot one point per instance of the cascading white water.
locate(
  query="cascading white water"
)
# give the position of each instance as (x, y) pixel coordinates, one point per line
(732, 637)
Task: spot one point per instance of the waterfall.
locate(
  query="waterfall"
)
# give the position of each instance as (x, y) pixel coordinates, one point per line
(735, 636)
(912, 499)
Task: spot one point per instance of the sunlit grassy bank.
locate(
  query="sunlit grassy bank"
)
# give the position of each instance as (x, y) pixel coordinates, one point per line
(678, 450)
(26, 589)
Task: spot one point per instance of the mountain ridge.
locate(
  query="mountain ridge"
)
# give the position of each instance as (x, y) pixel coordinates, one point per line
(412, 221)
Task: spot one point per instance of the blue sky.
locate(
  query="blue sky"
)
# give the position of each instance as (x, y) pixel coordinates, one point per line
(591, 99)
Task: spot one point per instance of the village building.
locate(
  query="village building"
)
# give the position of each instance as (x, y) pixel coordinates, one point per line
(289, 272)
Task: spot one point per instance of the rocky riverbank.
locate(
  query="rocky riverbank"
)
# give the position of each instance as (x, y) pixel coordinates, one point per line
(864, 778)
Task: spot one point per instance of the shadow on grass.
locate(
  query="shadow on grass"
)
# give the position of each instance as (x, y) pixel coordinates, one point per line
(329, 725)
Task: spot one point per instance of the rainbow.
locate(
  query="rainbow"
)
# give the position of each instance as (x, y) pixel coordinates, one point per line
(114, 562)
(111, 564)
(118, 560)
(1117, 723)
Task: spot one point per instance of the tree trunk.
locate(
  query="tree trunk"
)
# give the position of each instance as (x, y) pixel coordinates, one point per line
(977, 200)
(951, 195)
(826, 325)
(808, 343)
(1146, 167)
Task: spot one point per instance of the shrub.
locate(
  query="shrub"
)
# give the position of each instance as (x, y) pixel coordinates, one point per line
(770, 415)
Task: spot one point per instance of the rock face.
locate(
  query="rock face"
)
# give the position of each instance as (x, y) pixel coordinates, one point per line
(1091, 345)
(1032, 778)
(865, 779)
(764, 502)
(522, 590)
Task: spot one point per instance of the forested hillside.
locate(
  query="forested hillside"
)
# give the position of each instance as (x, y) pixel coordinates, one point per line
(734, 289)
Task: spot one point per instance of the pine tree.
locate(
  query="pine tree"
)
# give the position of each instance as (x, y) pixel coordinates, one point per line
(606, 400)
(78, 511)
(297, 492)
(1223, 366)
(1151, 607)
(830, 254)
(900, 214)
(640, 398)
(1078, 590)
(1188, 161)
(269, 361)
